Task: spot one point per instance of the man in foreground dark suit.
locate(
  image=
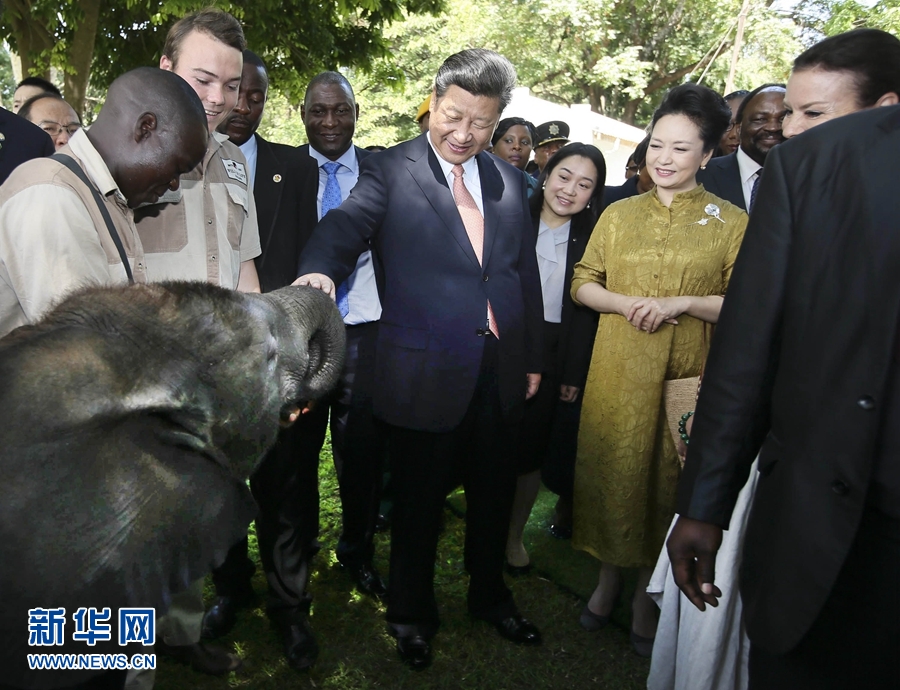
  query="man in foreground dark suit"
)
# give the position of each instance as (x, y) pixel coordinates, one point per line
(459, 334)
(733, 177)
(283, 182)
(805, 365)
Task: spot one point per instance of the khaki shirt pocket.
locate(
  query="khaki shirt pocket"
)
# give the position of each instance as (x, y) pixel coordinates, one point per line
(238, 210)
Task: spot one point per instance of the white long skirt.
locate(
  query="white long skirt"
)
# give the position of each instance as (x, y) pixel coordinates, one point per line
(707, 650)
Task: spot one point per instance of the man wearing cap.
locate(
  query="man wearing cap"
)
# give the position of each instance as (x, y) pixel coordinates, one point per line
(551, 137)
(423, 115)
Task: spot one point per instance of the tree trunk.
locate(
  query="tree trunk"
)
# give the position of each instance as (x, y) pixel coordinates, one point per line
(33, 39)
(629, 112)
(80, 53)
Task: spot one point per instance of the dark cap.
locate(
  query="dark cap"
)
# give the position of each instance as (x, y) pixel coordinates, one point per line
(555, 130)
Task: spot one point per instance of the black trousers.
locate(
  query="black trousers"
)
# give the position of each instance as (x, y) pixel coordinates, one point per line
(855, 641)
(287, 490)
(481, 450)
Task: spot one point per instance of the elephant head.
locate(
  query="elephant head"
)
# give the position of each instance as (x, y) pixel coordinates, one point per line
(132, 417)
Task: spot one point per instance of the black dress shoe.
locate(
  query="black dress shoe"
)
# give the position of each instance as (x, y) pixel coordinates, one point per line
(367, 579)
(560, 531)
(220, 618)
(210, 659)
(519, 630)
(415, 651)
(300, 646)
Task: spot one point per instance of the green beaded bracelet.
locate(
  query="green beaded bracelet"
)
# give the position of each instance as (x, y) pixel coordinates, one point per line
(682, 427)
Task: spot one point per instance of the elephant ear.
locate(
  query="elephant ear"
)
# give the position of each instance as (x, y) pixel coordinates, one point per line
(123, 510)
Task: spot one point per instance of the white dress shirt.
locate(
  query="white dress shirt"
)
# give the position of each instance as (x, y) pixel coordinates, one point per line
(749, 170)
(250, 150)
(551, 248)
(362, 294)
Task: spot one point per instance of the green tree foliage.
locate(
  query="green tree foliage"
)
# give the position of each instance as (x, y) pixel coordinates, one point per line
(619, 56)
(101, 39)
(830, 17)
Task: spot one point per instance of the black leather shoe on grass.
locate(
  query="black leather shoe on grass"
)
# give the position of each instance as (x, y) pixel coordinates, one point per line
(519, 630)
(415, 651)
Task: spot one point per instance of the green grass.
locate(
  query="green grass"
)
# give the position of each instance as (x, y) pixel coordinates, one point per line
(356, 653)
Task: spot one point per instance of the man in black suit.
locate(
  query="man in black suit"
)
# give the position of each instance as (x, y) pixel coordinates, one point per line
(312, 179)
(734, 177)
(20, 141)
(805, 365)
(284, 182)
(458, 338)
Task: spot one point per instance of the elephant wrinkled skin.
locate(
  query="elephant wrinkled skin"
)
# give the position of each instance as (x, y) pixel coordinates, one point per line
(131, 418)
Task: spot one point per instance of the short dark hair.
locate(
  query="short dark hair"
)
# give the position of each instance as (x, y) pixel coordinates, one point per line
(328, 79)
(640, 152)
(41, 83)
(739, 115)
(702, 106)
(871, 55)
(740, 93)
(211, 21)
(589, 215)
(509, 122)
(27, 106)
(252, 58)
(480, 72)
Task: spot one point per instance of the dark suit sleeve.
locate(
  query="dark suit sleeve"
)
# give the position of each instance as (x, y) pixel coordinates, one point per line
(345, 232)
(532, 298)
(733, 411)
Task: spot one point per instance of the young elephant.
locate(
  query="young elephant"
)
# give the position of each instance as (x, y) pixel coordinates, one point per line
(131, 418)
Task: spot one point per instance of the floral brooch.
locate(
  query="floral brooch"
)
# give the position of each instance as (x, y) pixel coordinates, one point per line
(710, 210)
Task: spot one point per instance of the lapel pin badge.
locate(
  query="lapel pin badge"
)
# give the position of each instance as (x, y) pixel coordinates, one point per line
(276, 178)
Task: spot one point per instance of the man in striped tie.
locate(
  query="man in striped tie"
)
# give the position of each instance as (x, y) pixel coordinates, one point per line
(458, 341)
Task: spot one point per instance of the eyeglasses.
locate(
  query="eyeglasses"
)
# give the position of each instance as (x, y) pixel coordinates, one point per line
(731, 126)
(54, 129)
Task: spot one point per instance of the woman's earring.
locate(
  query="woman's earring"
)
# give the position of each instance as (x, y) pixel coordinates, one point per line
(703, 167)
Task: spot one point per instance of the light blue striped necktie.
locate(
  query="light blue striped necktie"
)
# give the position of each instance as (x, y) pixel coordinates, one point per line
(331, 198)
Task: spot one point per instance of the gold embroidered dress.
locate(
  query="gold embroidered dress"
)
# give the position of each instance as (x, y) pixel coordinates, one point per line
(627, 467)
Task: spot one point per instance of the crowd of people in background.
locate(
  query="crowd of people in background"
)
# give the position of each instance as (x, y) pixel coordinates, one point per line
(511, 320)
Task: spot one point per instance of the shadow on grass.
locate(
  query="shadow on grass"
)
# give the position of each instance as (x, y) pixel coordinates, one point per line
(357, 653)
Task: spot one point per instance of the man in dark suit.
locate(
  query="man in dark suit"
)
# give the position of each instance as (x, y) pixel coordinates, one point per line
(316, 178)
(20, 141)
(459, 334)
(284, 183)
(735, 176)
(806, 365)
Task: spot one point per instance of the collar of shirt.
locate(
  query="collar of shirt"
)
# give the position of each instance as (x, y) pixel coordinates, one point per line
(249, 149)
(348, 160)
(548, 238)
(471, 177)
(94, 165)
(747, 167)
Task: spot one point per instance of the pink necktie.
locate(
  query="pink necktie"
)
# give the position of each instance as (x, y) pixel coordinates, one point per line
(474, 224)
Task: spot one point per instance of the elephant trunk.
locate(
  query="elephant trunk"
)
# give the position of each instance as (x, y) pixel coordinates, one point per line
(315, 326)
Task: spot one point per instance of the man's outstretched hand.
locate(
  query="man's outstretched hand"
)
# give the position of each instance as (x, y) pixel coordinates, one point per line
(692, 547)
(318, 281)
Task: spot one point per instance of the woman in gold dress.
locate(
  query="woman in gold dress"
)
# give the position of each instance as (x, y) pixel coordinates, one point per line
(656, 268)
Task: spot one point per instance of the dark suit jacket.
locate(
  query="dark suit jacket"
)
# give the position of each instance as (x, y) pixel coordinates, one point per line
(284, 189)
(21, 142)
(799, 366)
(722, 177)
(625, 190)
(578, 325)
(434, 290)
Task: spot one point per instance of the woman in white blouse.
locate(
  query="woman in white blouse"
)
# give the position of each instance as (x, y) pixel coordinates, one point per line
(565, 209)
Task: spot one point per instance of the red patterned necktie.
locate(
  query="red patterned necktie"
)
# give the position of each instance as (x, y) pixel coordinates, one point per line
(474, 223)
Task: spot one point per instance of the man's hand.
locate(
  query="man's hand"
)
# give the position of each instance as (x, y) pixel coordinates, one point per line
(534, 381)
(319, 281)
(692, 547)
(569, 394)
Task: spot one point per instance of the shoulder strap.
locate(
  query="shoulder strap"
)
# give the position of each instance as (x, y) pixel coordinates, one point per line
(70, 163)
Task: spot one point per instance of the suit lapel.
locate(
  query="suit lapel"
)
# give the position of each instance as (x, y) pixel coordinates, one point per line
(491, 191)
(266, 191)
(426, 171)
